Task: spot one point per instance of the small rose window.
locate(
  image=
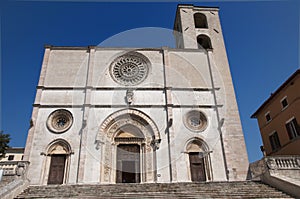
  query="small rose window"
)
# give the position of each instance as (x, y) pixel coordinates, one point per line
(59, 121)
(195, 121)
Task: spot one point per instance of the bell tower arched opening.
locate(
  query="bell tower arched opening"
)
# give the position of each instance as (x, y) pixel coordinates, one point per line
(200, 20)
(204, 42)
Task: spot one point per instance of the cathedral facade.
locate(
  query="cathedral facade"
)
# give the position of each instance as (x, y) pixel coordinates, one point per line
(123, 115)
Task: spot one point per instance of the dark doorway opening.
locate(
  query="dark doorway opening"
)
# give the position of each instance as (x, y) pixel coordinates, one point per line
(128, 163)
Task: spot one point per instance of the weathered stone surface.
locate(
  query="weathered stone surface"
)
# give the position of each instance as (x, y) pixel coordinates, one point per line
(245, 189)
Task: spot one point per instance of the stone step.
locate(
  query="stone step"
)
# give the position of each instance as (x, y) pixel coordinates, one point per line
(244, 189)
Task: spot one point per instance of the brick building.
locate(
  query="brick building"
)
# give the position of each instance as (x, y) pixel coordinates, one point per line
(278, 119)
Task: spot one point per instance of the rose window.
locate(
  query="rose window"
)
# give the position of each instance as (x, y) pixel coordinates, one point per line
(130, 69)
(59, 121)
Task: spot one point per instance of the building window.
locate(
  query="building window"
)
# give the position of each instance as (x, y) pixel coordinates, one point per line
(268, 116)
(274, 140)
(200, 20)
(22, 157)
(11, 157)
(284, 103)
(293, 128)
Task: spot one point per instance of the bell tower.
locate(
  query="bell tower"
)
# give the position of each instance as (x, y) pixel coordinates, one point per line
(199, 28)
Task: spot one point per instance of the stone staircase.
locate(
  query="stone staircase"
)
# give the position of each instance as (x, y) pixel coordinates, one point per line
(245, 189)
(6, 180)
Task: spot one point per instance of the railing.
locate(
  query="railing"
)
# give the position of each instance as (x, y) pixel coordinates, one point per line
(13, 167)
(283, 162)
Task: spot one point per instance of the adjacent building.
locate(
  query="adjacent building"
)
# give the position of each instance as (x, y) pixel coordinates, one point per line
(151, 115)
(12, 157)
(13, 154)
(279, 118)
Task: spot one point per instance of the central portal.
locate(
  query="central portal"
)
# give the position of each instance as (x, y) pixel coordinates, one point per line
(128, 163)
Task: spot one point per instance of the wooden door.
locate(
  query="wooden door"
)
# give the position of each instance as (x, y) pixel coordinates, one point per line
(128, 163)
(57, 169)
(197, 167)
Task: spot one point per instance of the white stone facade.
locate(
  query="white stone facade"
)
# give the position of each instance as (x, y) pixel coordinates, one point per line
(154, 109)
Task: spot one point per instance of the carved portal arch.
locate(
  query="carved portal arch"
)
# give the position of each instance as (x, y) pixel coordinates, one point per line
(198, 160)
(129, 127)
(122, 118)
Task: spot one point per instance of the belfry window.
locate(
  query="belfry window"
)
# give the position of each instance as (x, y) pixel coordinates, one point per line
(200, 20)
(204, 42)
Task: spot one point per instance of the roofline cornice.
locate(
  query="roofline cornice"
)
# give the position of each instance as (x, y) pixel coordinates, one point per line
(287, 82)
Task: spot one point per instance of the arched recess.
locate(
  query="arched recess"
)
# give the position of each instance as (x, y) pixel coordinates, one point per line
(132, 131)
(198, 160)
(57, 162)
(204, 42)
(200, 20)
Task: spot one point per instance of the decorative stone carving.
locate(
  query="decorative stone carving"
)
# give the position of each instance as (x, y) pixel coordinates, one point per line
(98, 143)
(21, 169)
(129, 96)
(155, 144)
(60, 121)
(130, 69)
(195, 121)
(271, 163)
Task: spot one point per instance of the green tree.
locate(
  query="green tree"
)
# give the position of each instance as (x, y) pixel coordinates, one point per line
(4, 141)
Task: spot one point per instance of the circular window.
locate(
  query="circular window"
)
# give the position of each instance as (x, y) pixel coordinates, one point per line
(59, 121)
(195, 121)
(130, 69)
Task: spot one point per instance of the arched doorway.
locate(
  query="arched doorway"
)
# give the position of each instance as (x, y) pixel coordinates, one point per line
(58, 155)
(199, 161)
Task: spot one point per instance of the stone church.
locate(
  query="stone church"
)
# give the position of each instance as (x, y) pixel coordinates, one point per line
(152, 115)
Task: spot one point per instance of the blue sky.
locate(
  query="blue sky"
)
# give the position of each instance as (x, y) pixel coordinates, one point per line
(261, 37)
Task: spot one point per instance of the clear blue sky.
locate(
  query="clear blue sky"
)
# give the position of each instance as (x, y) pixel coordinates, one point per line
(262, 40)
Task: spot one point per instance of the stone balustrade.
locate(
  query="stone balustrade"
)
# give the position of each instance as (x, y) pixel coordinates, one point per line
(283, 162)
(14, 167)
